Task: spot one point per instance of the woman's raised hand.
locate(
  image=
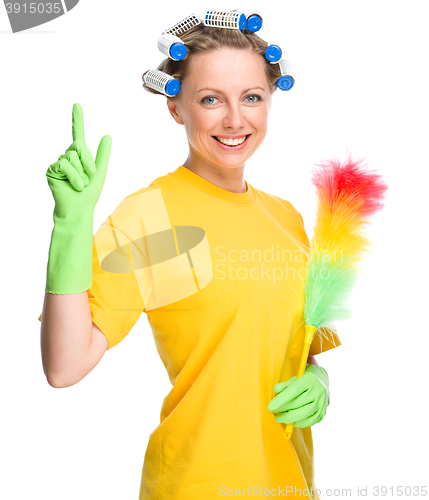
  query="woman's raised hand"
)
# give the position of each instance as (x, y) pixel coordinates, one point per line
(76, 180)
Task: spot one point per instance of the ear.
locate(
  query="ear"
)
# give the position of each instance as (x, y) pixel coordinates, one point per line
(174, 112)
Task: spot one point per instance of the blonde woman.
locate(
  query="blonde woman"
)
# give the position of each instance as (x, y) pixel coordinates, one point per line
(216, 265)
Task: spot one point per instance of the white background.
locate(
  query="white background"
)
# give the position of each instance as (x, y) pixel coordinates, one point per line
(361, 83)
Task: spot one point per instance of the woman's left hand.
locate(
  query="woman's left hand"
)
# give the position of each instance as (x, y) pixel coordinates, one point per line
(302, 400)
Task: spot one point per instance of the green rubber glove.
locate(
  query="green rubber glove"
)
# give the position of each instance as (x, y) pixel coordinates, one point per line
(302, 400)
(76, 182)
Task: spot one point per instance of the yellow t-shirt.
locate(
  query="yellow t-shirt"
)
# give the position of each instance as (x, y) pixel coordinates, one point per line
(219, 276)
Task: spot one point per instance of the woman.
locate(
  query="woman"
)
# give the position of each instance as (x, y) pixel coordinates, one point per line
(216, 265)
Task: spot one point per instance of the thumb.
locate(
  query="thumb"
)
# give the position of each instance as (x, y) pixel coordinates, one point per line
(281, 386)
(103, 155)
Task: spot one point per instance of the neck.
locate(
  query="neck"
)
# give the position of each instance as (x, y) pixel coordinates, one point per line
(229, 178)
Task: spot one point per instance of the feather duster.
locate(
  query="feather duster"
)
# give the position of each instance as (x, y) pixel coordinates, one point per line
(348, 195)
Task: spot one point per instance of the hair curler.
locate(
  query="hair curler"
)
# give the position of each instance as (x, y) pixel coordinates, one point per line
(183, 26)
(287, 80)
(273, 53)
(172, 46)
(169, 42)
(162, 82)
(253, 20)
(223, 19)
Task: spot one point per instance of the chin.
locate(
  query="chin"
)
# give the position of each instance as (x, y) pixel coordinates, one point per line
(232, 166)
(231, 159)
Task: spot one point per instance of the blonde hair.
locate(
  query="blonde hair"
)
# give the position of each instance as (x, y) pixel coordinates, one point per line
(202, 38)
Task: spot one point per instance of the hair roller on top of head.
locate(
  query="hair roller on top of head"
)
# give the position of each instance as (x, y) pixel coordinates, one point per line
(222, 19)
(253, 20)
(183, 26)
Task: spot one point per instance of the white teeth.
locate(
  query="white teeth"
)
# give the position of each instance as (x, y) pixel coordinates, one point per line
(231, 142)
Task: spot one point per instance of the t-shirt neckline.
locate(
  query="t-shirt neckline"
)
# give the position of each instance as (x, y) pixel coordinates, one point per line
(197, 182)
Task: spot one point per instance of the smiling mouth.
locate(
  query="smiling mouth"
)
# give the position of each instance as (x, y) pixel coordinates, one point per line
(231, 145)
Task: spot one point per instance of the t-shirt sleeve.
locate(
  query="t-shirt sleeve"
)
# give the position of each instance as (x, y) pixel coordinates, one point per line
(323, 340)
(114, 297)
(123, 277)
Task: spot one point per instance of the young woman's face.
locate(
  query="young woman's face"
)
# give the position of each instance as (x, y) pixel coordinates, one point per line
(226, 93)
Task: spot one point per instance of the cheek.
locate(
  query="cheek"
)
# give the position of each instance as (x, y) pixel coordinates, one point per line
(262, 115)
(260, 122)
(202, 125)
(205, 121)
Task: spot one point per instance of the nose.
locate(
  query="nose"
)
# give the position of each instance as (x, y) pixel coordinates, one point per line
(234, 116)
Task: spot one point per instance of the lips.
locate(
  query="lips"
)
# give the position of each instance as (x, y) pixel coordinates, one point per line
(233, 148)
(227, 137)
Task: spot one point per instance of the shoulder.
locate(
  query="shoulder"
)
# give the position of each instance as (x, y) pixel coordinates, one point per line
(279, 203)
(164, 183)
(134, 206)
(146, 195)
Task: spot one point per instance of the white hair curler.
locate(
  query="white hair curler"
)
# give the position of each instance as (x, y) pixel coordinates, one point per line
(287, 80)
(223, 19)
(172, 46)
(183, 26)
(162, 82)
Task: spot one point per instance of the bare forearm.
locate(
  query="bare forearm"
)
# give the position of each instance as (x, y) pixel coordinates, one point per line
(65, 336)
(311, 360)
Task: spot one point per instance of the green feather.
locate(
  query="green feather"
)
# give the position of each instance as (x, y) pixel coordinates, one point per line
(327, 289)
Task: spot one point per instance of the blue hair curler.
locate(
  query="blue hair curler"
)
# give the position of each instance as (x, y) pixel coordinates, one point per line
(253, 20)
(162, 82)
(254, 23)
(286, 81)
(273, 53)
(172, 46)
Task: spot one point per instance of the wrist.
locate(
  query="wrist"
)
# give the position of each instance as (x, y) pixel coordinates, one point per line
(69, 268)
(322, 376)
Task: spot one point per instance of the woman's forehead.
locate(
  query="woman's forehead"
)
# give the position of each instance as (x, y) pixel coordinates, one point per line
(206, 67)
(223, 53)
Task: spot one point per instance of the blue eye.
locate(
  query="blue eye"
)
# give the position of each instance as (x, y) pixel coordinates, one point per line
(255, 95)
(203, 100)
(208, 97)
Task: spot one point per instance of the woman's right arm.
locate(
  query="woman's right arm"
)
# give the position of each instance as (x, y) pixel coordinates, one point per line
(71, 344)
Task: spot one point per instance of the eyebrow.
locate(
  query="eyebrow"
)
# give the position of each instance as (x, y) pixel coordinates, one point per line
(220, 91)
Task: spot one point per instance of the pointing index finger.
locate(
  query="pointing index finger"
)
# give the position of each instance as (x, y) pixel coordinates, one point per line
(77, 123)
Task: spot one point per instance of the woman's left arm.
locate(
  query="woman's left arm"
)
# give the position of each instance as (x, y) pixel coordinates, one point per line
(311, 360)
